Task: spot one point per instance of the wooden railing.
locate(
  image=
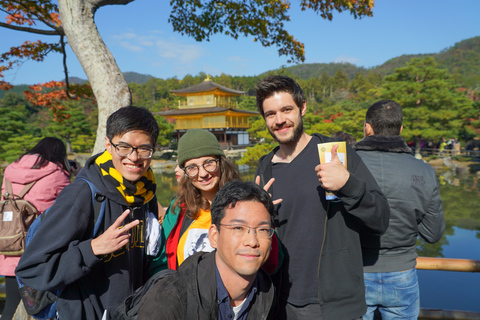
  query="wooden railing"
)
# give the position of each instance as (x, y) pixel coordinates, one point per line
(448, 264)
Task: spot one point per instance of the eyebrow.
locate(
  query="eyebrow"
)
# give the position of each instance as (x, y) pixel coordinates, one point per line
(240, 221)
(142, 145)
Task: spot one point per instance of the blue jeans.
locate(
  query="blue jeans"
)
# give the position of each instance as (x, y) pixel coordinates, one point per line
(395, 294)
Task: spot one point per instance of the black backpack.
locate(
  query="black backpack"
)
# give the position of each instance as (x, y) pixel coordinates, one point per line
(128, 308)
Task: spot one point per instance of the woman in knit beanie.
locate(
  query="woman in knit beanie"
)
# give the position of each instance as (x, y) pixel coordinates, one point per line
(186, 223)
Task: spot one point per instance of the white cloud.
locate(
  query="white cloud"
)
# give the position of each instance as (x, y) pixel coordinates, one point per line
(171, 49)
(129, 46)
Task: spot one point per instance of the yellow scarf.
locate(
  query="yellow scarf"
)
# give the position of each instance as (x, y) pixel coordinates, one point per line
(136, 193)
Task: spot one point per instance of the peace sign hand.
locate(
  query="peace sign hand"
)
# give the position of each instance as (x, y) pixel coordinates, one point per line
(114, 237)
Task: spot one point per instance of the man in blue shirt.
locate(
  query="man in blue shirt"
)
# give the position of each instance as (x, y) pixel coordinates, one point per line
(228, 282)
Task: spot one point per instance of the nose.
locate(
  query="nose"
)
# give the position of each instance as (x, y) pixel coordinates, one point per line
(133, 156)
(202, 172)
(279, 118)
(250, 238)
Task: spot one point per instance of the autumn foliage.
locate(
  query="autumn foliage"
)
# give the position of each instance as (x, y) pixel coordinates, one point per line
(38, 17)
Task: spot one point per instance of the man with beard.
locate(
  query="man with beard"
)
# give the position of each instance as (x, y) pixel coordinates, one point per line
(322, 275)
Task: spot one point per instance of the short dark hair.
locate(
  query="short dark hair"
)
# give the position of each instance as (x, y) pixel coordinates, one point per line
(268, 86)
(343, 136)
(237, 191)
(385, 117)
(132, 118)
(49, 149)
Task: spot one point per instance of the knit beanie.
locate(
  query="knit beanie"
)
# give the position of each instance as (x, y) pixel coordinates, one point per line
(196, 143)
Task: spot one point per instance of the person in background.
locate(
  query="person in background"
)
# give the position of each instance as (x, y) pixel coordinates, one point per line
(97, 274)
(228, 282)
(322, 275)
(178, 172)
(343, 136)
(412, 191)
(46, 163)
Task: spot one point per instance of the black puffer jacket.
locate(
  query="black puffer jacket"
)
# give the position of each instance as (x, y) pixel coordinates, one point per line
(191, 293)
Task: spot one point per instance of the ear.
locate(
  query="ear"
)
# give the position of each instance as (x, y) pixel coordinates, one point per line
(213, 236)
(303, 109)
(401, 129)
(108, 145)
(368, 130)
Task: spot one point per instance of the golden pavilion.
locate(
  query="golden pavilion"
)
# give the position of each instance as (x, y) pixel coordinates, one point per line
(210, 106)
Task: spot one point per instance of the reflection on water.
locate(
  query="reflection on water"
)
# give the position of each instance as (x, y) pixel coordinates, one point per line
(460, 194)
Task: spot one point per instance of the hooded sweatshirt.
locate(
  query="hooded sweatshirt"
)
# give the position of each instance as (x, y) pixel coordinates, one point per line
(50, 180)
(61, 257)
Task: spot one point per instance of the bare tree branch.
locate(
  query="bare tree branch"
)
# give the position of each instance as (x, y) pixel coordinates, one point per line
(57, 32)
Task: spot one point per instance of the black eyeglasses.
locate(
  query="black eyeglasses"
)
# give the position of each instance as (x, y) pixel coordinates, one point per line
(193, 170)
(238, 230)
(124, 150)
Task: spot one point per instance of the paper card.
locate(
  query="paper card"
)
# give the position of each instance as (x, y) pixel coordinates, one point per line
(325, 154)
(8, 216)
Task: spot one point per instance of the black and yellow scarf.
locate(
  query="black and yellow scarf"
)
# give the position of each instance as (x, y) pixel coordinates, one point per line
(136, 193)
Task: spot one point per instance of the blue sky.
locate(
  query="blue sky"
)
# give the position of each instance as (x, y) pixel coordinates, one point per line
(142, 40)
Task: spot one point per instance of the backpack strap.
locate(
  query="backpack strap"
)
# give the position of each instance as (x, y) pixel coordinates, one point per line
(98, 204)
(9, 190)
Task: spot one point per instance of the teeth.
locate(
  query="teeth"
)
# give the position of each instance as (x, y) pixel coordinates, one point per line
(131, 167)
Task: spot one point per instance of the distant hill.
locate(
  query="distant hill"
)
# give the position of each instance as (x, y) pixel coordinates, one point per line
(16, 89)
(311, 70)
(462, 60)
(129, 77)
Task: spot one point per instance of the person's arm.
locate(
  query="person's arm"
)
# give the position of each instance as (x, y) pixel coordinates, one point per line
(161, 303)
(432, 226)
(56, 257)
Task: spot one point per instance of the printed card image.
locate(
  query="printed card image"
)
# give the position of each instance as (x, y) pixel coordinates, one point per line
(325, 154)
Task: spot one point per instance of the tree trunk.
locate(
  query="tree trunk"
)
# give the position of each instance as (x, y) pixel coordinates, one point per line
(107, 81)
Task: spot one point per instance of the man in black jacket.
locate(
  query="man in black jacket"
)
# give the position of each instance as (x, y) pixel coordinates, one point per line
(323, 273)
(228, 282)
(412, 191)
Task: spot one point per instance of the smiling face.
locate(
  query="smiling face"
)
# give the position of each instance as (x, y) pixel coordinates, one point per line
(206, 182)
(283, 118)
(241, 255)
(131, 167)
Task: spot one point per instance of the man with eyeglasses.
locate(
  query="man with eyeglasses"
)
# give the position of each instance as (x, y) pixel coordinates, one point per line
(227, 283)
(95, 274)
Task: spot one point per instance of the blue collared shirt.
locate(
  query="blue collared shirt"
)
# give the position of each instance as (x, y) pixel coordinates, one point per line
(225, 312)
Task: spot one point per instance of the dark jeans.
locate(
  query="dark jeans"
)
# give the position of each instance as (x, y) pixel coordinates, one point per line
(12, 298)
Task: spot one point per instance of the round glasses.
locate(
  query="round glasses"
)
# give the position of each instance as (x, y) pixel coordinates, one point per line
(124, 150)
(193, 170)
(238, 230)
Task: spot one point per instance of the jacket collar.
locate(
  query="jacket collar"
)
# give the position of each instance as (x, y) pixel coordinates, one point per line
(383, 143)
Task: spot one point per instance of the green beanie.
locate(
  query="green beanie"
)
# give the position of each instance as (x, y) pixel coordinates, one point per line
(196, 143)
